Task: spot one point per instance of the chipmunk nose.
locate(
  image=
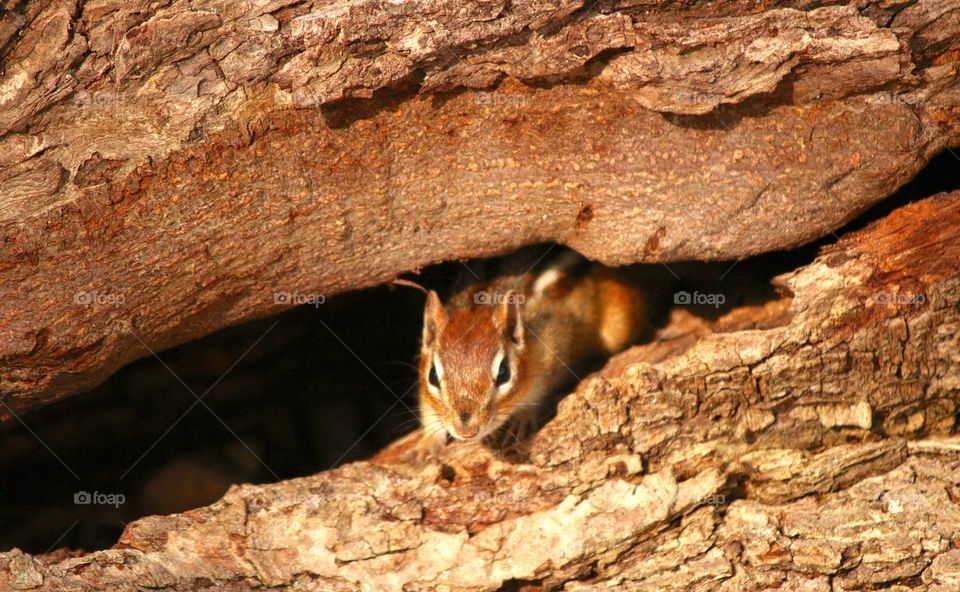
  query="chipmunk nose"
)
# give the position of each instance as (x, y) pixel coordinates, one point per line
(464, 427)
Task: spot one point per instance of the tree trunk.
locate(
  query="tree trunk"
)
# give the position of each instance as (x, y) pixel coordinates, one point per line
(805, 444)
(172, 168)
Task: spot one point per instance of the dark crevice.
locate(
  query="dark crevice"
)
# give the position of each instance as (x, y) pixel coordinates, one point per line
(941, 174)
(345, 112)
(515, 585)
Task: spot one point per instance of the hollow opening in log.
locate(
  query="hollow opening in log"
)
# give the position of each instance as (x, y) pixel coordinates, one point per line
(299, 393)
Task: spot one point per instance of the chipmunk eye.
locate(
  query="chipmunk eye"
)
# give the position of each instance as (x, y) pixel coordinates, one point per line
(433, 378)
(503, 373)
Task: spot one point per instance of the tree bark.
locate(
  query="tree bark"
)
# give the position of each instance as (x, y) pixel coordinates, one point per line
(803, 444)
(171, 168)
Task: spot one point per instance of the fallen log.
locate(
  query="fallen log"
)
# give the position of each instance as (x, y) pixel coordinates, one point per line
(168, 169)
(805, 444)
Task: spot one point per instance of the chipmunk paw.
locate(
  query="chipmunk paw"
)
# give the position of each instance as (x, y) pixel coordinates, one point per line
(427, 448)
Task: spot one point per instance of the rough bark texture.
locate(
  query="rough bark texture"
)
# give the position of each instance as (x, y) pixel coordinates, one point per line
(167, 167)
(804, 444)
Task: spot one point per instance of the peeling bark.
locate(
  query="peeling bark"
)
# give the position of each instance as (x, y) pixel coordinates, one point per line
(807, 444)
(168, 167)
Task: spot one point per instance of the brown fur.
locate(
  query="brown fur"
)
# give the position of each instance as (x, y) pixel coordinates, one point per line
(546, 334)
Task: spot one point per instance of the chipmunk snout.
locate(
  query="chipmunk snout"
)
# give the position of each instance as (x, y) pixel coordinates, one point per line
(466, 425)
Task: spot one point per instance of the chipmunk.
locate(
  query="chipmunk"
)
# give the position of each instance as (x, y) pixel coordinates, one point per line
(498, 347)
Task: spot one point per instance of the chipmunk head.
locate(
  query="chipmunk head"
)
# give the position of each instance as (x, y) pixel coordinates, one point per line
(471, 368)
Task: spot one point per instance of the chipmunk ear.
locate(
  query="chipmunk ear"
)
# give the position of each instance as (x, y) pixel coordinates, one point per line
(434, 319)
(508, 317)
